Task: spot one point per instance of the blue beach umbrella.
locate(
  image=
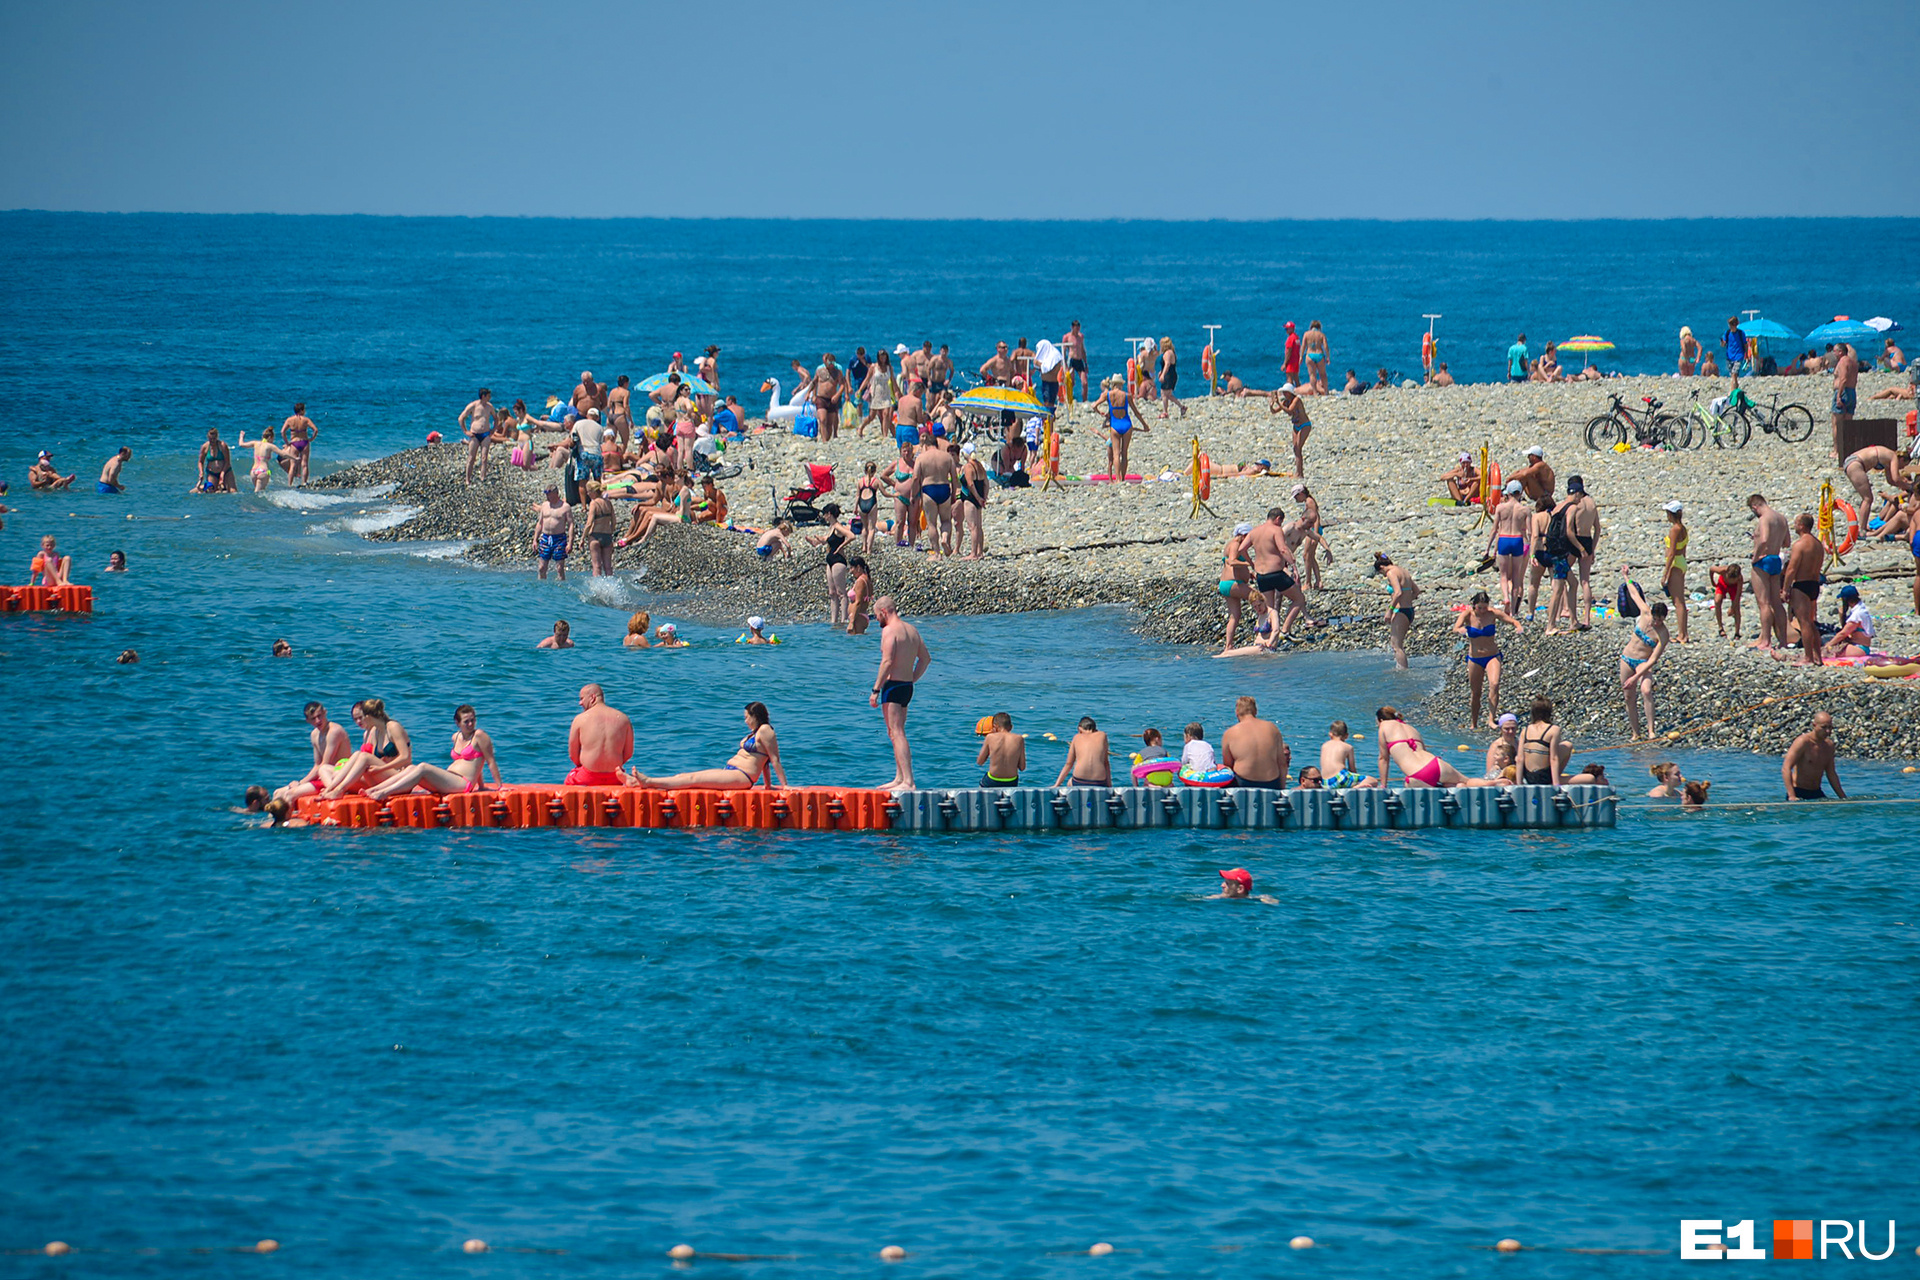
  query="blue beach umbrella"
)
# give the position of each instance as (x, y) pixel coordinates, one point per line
(1842, 329)
(1768, 329)
(659, 380)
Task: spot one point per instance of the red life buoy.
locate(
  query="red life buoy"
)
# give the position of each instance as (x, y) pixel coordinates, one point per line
(1206, 477)
(1853, 526)
(1490, 487)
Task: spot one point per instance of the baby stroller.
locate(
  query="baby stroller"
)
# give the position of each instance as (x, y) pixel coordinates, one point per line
(799, 506)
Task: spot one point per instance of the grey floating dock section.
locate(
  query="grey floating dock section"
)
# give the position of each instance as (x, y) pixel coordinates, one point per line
(1359, 809)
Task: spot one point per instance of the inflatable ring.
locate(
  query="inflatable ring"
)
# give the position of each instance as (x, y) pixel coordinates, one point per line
(1192, 777)
(1156, 773)
(1206, 477)
(1853, 526)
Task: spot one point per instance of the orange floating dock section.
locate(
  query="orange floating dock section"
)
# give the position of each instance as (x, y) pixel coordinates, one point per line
(761, 809)
(46, 599)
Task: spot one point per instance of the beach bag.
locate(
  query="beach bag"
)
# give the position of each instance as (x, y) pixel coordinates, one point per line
(1623, 603)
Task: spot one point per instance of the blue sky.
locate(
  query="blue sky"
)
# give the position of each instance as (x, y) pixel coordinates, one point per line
(990, 110)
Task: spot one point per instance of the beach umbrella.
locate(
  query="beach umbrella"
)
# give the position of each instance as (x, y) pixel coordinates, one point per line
(1000, 400)
(1768, 329)
(658, 380)
(1841, 329)
(1884, 325)
(1586, 344)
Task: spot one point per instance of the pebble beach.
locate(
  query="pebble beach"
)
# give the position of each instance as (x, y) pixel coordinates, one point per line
(1372, 463)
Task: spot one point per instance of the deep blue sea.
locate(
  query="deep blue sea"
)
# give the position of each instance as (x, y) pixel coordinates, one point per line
(585, 1047)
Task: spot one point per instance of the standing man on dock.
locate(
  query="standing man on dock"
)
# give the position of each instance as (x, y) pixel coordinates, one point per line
(903, 660)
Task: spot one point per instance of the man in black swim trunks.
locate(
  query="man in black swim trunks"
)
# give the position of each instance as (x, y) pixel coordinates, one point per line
(1810, 759)
(903, 660)
(1805, 558)
(1583, 525)
(1076, 344)
(1254, 749)
(1272, 560)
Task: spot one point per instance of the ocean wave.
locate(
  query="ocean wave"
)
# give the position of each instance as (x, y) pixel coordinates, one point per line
(319, 500)
(435, 550)
(385, 518)
(609, 593)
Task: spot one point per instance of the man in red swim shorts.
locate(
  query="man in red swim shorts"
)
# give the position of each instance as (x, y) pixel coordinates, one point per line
(600, 741)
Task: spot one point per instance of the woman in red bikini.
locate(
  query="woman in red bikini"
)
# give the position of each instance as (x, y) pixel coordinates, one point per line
(1400, 743)
(384, 751)
(472, 757)
(756, 759)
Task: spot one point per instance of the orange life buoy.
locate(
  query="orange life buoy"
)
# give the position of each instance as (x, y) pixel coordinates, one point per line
(1206, 477)
(1490, 487)
(1206, 363)
(1853, 526)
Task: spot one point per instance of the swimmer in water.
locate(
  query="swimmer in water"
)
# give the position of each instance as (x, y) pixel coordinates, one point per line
(560, 639)
(116, 562)
(755, 760)
(472, 756)
(637, 625)
(1003, 754)
(1238, 883)
(756, 631)
(1668, 784)
(667, 636)
(265, 453)
(282, 649)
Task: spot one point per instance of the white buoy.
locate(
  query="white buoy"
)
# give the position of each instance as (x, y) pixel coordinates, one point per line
(681, 1251)
(892, 1253)
(1301, 1242)
(475, 1246)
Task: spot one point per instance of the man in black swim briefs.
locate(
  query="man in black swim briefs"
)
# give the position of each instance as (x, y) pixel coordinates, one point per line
(1805, 558)
(903, 660)
(1267, 548)
(1810, 760)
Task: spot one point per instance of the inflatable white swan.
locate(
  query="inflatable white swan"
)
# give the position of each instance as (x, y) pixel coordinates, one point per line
(777, 412)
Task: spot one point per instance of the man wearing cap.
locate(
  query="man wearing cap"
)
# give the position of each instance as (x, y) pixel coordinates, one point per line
(1855, 637)
(1238, 883)
(599, 742)
(1536, 478)
(552, 531)
(1463, 482)
(903, 660)
(1583, 526)
(1399, 605)
(1507, 542)
(43, 475)
(1292, 363)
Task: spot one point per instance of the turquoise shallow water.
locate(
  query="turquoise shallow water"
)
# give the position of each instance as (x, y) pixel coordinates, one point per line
(989, 1050)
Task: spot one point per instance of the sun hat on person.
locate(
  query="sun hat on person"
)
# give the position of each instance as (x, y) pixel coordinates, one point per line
(1507, 720)
(1535, 451)
(1466, 457)
(667, 629)
(1240, 876)
(1299, 491)
(753, 624)
(901, 349)
(1513, 486)
(1242, 529)
(1673, 508)
(967, 448)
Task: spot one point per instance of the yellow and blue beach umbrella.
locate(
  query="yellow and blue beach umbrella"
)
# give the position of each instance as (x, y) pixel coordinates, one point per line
(693, 381)
(1000, 400)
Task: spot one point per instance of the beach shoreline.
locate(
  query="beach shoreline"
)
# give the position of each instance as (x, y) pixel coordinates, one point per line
(1371, 462)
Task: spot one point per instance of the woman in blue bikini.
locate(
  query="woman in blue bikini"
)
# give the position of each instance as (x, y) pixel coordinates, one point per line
(1117, 404)
(1641, 656)
(755, 760)
(1478, 624)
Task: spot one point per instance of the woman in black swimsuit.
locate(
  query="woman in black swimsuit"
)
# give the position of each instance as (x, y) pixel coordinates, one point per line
(1169, 378)
(1543, 751)
(384, 751)
(866, 500)
(835, 540)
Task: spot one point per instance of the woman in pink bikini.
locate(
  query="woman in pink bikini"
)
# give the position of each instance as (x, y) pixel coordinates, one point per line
(756, 759)
(1400, 743)
(472, 757)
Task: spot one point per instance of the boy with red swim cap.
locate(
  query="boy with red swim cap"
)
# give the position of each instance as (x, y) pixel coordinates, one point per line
(1238, 883)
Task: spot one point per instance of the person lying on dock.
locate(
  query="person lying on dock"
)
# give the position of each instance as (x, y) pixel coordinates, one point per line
(755, 760)
(1087, 758)
(1004, 754)
(599, 742)
(1238, 883)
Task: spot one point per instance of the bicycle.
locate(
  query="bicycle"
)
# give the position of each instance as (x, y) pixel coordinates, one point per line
(1616, 426)
(1791, 422)
(1703, 422)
